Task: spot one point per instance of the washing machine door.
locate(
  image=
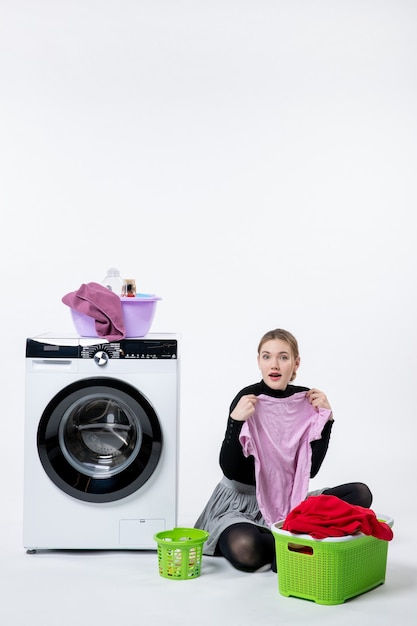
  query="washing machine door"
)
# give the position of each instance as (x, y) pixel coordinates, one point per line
(99, 439)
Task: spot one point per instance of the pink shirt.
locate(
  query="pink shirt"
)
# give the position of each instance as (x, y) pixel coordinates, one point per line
(278, 436)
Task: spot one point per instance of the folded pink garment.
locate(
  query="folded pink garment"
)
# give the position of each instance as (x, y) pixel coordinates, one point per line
(328, 516)
(102, 305)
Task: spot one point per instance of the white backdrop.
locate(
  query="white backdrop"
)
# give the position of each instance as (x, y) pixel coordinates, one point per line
(253, 163)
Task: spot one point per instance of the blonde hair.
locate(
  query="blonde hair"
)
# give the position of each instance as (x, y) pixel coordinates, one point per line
(284, 335)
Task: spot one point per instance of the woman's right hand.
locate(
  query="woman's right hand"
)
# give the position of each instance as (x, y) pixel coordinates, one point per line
(244, 408)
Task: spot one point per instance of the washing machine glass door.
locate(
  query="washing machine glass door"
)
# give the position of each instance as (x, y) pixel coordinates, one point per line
(99, 439)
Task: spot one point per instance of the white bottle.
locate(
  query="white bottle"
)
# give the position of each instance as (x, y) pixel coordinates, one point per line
(115, 282)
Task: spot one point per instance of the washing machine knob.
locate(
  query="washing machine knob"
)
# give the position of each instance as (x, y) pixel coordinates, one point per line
(101, 358)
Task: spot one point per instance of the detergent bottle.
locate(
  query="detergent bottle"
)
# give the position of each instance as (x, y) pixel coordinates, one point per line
(115, 282)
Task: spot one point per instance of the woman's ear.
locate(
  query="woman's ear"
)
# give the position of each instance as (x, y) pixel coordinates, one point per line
(296, 365)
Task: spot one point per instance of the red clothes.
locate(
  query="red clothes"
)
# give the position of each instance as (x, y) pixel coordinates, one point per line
(328, 516)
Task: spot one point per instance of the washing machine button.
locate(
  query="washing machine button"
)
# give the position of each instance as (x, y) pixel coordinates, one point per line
(101, 358)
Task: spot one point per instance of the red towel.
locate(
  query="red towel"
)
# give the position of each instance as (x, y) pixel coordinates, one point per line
(328, 516)
(102, 305)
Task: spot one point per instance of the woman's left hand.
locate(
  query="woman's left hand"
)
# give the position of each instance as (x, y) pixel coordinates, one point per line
(318, 399)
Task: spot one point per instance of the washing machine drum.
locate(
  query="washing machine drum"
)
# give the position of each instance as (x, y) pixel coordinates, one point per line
(99, 440)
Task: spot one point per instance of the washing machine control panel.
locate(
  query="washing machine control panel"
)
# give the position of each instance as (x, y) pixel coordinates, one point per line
(101, 353)
(127, 349)
(131, 349)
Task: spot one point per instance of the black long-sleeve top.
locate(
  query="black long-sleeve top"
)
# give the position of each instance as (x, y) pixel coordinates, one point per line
(233, 462)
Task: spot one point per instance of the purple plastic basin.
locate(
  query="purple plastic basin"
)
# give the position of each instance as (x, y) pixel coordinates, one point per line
(138, 314)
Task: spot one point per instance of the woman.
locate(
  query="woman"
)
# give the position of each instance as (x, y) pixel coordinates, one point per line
(276, 439)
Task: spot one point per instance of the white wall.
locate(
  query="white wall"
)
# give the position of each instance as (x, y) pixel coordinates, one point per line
(250, 161)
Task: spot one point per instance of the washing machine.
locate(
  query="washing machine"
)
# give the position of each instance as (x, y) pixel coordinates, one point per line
(101, 442)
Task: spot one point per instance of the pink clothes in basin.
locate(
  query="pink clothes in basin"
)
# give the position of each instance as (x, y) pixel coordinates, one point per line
(102, 305)
(278, 436)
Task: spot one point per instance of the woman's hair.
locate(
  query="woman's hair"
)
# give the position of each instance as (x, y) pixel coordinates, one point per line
(284, 335)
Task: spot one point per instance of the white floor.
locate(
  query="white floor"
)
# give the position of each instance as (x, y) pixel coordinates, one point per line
(80, 588)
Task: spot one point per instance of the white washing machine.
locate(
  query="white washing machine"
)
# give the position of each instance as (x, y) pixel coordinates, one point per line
(101, 442)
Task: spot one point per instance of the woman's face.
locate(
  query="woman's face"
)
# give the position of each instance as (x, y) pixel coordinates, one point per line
(277, 363)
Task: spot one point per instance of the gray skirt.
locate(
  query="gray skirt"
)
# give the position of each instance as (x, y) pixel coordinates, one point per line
(230, 503)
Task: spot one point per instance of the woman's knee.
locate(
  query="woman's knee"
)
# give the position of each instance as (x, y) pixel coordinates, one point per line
(246, 546)
(353, 493)
(363, 495)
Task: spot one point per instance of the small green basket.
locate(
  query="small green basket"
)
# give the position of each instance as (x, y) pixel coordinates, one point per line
(180, 552)
(331, 570)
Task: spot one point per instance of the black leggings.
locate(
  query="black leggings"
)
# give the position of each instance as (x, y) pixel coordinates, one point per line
(352, 493)
(248, 547)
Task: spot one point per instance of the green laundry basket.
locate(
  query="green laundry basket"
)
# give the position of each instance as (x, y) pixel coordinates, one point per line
(180, 552)
(332, 570)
